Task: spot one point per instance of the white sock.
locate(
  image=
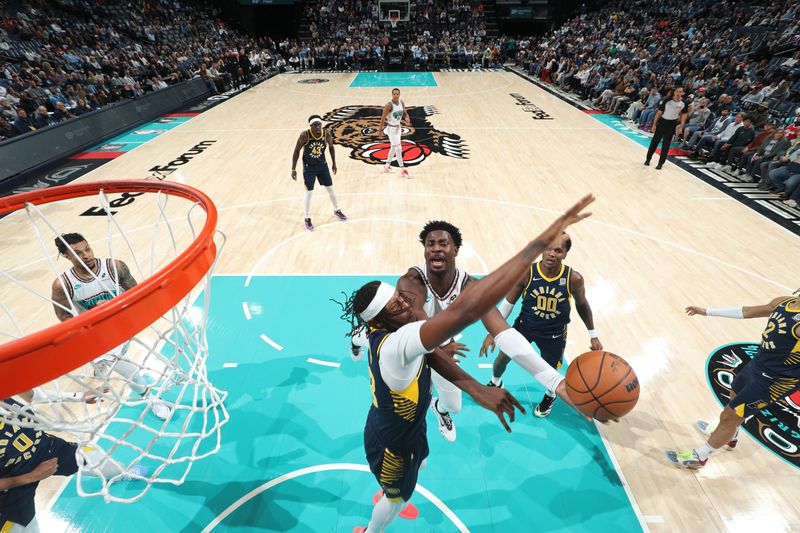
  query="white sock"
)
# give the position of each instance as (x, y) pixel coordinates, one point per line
(550, 393)
(333, 197)
(307, 203)
(131, 372)
(383, 514)
(704, 451)
(497, 380)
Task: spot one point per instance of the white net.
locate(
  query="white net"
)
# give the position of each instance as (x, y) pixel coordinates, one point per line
(145, 411)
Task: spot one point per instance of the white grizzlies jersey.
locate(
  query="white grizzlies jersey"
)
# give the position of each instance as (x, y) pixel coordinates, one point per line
(435, 303)
(87, 294)
(395, 115)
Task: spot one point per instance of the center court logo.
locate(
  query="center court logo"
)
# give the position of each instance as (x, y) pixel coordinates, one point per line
(356, 127)
(776, 426)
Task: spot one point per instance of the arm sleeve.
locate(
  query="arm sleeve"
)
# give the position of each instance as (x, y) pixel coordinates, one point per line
(401, 355)
(513, 344)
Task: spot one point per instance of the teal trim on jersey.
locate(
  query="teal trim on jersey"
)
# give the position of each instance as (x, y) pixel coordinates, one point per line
(288, 414)
(394, 79)
(140, 135)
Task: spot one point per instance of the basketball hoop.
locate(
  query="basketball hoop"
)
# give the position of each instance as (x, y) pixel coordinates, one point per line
(394, 17)
(157, 327)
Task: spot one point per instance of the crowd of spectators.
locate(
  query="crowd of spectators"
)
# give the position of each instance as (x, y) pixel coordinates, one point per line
(737, 62)
(64, 58)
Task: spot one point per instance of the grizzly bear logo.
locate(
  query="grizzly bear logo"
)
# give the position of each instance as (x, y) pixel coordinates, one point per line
(356, 127)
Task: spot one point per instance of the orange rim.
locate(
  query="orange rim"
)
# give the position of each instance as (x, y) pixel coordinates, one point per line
(52, 352)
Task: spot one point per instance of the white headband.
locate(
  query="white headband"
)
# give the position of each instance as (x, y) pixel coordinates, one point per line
(382, 297)
(315, 119)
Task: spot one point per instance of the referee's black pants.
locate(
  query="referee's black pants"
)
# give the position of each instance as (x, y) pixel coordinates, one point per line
(665, 130)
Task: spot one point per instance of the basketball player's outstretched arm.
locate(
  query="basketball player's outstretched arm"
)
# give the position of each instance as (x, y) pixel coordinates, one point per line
(296, 155)
(754, 311)
(484, 294)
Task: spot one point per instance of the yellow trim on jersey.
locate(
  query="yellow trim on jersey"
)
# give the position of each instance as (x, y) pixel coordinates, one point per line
(311, 134)
(549, 280)
(391, 467)
(739, 410)
(569, 287)
(530, 279)
(789, 309)
(7, 526)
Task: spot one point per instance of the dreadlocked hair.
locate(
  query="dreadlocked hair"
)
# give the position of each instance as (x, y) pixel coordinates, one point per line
(355, 304)
(440, 225)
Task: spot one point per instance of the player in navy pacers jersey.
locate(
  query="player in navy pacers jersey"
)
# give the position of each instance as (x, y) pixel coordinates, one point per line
(403, 352)
(28, 456)
(313, 142)
(546, 292)
(773, 374)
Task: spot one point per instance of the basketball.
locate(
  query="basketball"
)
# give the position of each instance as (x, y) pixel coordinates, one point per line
(602, 385)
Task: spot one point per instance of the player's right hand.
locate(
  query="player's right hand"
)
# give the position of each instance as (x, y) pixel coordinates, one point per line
(488, 344)
(294, 175)
(498, 401)
(695, 310)
(44, 470)
(452, 349)
(571, 216)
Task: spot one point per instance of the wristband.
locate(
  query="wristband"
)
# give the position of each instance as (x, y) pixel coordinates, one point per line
(593, 334)
(505, 308)
(730, 312)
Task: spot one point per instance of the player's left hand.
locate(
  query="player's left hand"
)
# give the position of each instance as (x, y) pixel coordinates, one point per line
(90, 397)
(333, 168)
(498, 401)
(453, 349)
(595, 344)
(294, 175)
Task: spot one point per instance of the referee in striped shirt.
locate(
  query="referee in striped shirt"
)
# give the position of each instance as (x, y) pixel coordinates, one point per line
(670, 111)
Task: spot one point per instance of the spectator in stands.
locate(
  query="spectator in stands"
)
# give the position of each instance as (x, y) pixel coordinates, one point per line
(61, 113)
(730, 151)
(792, 154)
(7, 110)
(650, 109)
(714, 131)
(770, 148)
(759, 116)
(783, 180)
(698, 116)
(23, 124)
(715, 141)
(6, 130)
(82, 107)
(41, 118)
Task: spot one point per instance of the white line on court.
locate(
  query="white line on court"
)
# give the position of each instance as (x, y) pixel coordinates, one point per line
(654, 519)
(305, 233)
(230, 365)
(246, 310)
(271, 342)
(715, 198)
(484, 365)
(323, 363)
(326, 468)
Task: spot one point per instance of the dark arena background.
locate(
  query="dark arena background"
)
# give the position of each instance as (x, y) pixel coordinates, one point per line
(681, 117)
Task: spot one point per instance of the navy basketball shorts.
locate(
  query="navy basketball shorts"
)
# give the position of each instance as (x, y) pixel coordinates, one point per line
(311, 175)
(395, 469)
(551, 347)
(756, 388)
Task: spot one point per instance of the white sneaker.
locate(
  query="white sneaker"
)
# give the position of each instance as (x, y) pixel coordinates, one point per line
(727, 168)
(446, 426)
(387, 168)
(161, 410)
(714, 165)
(790, 202)
(736, 172)
(707, 429)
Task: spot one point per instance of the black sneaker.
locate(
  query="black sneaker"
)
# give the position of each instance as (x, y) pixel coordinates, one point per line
(491, 384)
(545, 406)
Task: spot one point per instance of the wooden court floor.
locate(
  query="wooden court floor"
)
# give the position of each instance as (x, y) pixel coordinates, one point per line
(658, 241)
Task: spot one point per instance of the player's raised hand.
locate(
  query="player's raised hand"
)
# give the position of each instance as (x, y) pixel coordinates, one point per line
(499, 401)
(488, 344)
(454, 348)
(695, 310)
(571, 216)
